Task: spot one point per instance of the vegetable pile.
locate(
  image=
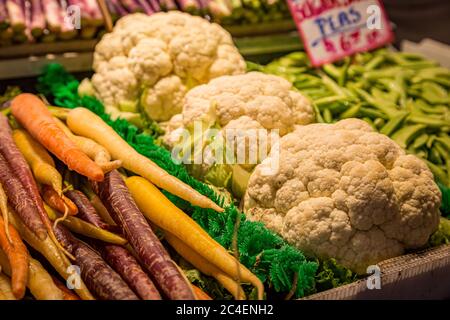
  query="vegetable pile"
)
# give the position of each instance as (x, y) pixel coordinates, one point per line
(26, 213)
(46, 20)
(260, 250)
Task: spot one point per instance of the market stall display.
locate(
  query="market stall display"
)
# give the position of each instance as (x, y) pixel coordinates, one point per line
(61, 20)
(104, 174)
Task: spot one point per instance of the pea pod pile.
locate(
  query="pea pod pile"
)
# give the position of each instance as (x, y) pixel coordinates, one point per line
(402, 95)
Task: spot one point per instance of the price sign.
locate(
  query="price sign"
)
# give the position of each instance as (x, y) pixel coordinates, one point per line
(334, 29)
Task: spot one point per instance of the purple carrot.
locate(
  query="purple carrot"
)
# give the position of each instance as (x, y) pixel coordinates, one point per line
(119, 258)
(86, 18)
(118, 200)
(86, 211)
(94, 12)
(168, 5)
(20, 200)
(98, 276)
(23, 191)
(68, 26)
(123, 262)
(132, 6)
(28, 17)
(37, 20)
(154, 5)
(52, 15)
(113, 11)
(188, 5)
(219, 9)
(121, 11)
(15, 9)
(4, 18)
(145, 7)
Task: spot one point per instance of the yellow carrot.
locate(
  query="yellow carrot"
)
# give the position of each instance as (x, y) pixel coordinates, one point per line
(39, 282)
(163, 213)
(50, 251)
(205, 267)
(39, 159)
(93, 150)
(86, 229)
(5, 288)
(85, 123)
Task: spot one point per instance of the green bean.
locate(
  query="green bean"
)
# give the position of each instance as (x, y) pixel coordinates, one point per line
(431, 140)
(327, 116)
(441, 150)
(435, 157)
(427, 120)
(374, 62)
(389, 72)
(370, 122)
(438, 172)
(372, 113)
(330, 99)
(434, 93)
(389, 109)
(351, 112)
(379, 122)
(444, 140)
(332, 86)
(425, 107)
(420, 141)
(319, 117)
(405, 135)
(393, 124)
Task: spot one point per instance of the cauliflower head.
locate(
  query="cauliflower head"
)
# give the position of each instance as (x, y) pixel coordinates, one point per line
(153, 60)
(250, 112)
(267, 99)
(346, 192)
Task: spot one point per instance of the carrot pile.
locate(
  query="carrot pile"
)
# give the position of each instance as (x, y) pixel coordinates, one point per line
(62, 194)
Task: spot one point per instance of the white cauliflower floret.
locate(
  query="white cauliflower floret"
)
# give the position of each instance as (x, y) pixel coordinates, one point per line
(117, 84)
(161, 50)
(164, 99)
(346, 192)
(267, 99)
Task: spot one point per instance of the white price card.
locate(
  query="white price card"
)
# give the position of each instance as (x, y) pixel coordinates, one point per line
(334, 29)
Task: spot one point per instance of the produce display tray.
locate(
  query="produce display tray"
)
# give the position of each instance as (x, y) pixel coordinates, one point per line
(27, 60)
(420, 275)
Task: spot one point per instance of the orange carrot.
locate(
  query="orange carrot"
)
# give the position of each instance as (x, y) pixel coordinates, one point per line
(67, 294)
(18, 258)
(4, 211)
(59, 203)
(32, 114)
(200, 294)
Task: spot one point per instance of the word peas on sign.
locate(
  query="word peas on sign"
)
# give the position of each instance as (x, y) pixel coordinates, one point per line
(334, 29)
